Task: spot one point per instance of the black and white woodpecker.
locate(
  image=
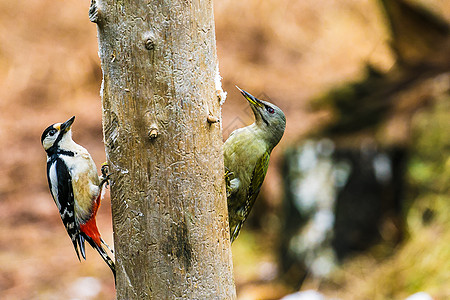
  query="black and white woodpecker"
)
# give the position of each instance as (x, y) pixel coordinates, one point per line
(75, 187)
(246, 157)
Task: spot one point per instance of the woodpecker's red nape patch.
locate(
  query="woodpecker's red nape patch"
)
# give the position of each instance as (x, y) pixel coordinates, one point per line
(90, 227)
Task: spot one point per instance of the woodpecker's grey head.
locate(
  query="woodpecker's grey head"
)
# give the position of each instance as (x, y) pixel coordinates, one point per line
(56, 135)
(268, 117)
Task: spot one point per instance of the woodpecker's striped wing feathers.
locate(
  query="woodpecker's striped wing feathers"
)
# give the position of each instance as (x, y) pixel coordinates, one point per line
(259, 173)
(60, 184)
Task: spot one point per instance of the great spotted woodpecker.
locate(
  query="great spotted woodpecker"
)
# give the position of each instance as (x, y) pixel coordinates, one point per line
(75, 187)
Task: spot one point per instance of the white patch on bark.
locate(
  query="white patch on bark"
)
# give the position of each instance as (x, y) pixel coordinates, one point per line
(218, 83)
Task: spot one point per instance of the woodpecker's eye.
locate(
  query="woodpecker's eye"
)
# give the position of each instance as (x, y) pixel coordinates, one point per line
(270, 109)
(52, 132)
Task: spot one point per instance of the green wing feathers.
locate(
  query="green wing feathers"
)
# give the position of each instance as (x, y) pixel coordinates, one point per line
(255, 185)
(257, 180)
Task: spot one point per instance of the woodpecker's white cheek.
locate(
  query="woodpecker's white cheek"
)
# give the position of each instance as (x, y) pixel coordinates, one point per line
(54, 184)
(49, 141)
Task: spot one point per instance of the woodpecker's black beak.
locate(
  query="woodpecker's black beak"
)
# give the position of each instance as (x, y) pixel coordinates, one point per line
(250, 98)
(67, 124)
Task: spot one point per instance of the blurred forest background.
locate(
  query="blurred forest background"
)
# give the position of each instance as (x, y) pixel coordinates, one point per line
(356, 201)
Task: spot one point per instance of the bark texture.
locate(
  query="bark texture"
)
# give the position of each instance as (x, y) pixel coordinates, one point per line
(167, 188)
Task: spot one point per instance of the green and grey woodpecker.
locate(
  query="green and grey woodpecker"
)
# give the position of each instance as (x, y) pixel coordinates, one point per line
(246, 156)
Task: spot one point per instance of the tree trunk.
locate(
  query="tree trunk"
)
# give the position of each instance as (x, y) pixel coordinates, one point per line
(164, 149)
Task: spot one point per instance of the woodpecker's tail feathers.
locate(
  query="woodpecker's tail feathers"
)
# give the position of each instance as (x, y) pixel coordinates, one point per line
(101, 251)
(107, 246)
(235, 232)
(107, 259)
(78, 243)
(81, 244)
(76, 249)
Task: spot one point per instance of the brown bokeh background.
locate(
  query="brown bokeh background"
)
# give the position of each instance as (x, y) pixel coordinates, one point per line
(285, 51)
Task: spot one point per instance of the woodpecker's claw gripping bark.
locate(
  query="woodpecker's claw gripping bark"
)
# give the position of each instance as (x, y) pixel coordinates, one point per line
(104, 179)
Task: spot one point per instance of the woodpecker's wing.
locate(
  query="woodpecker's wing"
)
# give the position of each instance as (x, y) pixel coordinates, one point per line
(259, 173)
(60, 184)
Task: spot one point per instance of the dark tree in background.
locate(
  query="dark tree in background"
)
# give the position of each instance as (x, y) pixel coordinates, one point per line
(370, 141)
